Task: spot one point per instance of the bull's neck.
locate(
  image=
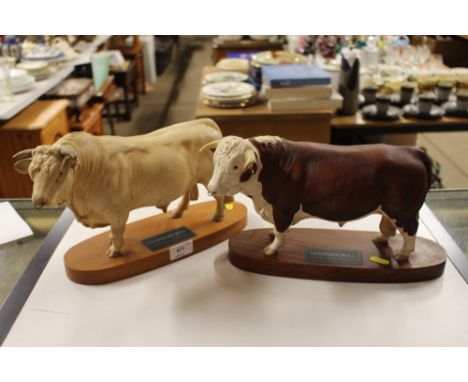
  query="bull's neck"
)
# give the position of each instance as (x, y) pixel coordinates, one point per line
(87, 175)
(273, 155)
(275, 163)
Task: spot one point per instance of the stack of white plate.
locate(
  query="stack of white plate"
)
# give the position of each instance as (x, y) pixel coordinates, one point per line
(20, 80)
(228, 94)
(225, 77)
(234, 65)
(38, 69)
(44, 53)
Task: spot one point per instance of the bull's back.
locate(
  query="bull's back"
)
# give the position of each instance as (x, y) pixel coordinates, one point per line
(344, 183)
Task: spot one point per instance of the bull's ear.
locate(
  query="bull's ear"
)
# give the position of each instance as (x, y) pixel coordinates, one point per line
(22, 165)
(22, 160)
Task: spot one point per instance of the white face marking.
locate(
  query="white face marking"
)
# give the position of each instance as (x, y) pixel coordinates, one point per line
(229, 164)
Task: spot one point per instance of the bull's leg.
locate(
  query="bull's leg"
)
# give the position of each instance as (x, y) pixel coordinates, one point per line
(163, 208)
(408, 247)
(408, 232)
(182, 206)
(387, 229)
(282, 222)
(219, 214)
(276, 244)
(117, 232)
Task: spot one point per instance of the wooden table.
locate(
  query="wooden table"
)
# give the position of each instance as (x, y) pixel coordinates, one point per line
(344, 128)
(259, 120)
(221, 48)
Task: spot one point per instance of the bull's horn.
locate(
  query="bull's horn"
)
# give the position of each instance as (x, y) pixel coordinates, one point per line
(67, 153)
(23, 154)
(211, 145)
(250, 158)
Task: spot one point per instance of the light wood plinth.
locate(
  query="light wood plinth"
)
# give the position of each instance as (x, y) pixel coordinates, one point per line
(87, 263)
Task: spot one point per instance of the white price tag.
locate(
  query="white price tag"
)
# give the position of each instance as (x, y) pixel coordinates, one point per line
(181, 250)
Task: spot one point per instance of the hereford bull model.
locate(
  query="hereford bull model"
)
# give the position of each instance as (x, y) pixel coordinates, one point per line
(101, 179)
(290, 181)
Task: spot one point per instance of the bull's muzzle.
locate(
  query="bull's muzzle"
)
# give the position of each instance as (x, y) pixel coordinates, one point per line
(39, 202)
(212, 190)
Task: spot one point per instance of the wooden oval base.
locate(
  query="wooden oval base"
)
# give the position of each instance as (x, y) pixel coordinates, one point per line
(335, 255)
(87, 263)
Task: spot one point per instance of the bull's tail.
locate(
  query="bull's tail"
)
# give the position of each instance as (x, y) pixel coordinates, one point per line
(427, 161)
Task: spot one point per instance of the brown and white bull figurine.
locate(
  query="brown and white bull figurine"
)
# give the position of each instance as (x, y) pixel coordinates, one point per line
(291, 181)
(101, 179)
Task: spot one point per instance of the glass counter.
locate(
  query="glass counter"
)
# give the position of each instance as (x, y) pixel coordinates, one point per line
(22, 261)
(450, 226)
(16, 255)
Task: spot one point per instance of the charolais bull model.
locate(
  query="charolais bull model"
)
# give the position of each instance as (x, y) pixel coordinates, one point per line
(101, 179)
(291, 181)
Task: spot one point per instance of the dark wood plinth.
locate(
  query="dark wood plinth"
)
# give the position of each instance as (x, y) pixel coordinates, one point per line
(87, 263)
(246, 252)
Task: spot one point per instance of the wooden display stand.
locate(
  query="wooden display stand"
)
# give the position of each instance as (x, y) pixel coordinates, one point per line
(336, 255)
(87, 263)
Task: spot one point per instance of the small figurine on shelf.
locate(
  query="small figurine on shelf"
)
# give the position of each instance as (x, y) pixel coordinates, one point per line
(349, 85)
(291, 181)
(102, 178)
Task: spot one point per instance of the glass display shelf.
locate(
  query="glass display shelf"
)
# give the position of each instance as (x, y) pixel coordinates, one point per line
(22, 261)
(450, 225)
(16, 255)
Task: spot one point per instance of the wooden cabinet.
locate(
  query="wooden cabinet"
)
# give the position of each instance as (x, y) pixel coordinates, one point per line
(44, 122)
(90, 120)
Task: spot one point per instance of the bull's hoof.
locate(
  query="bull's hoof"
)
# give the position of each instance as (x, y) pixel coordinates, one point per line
(401, 257)
(217, 218)
(110, 253)
(270, 250)
(177, 214)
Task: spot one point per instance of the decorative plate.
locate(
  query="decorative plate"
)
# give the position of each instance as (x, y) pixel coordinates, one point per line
(44, 53)
(370, 112)
(225, 77)
(412, 111)
(233, 64)
(451, 109)
(33, 66)
(227, 90)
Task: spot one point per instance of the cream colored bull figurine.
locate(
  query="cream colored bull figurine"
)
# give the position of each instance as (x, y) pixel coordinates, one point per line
(101, 179)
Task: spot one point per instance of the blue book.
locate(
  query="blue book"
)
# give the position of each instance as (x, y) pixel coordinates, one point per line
(294, 75)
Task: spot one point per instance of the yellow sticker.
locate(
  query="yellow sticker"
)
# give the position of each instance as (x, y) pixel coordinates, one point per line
(229, 206)
(379, 260)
